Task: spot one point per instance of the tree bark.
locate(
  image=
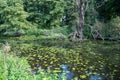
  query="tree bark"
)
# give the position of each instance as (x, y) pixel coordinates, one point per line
(80, 5)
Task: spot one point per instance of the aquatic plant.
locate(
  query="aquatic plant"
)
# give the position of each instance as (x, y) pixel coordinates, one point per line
(79, 61)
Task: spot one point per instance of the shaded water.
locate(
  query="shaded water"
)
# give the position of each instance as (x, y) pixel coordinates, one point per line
(101, 57)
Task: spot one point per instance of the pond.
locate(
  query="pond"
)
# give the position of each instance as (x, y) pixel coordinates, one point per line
(85, 59)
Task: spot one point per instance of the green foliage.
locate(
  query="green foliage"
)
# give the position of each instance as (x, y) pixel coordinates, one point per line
(51, 13)
(70, 14)
(60, 15)
(13, 68)
(115, 28)
(90, 12)
(45, 13)
(110, 29)
(13, 16)
(51, 33)
(108, 10)
(14, 33)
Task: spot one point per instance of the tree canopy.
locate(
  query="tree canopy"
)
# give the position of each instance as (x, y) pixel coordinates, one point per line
(48, 14)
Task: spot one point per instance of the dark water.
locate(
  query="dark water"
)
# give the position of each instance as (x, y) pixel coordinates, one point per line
(86, 59)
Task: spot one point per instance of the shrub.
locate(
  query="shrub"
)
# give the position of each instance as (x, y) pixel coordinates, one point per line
(114, 28)
(14, 33)
(13, 68)
(110, 29)
(44, 33)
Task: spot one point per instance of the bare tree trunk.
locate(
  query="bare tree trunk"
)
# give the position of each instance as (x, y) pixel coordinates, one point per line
(80, 5)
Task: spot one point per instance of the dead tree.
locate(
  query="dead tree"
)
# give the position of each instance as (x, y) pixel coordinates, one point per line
(95, 32)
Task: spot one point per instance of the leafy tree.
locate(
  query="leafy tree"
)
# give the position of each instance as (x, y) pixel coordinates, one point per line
(70, 13)
(109, 12)
(45, 13)
(109, 9)
(13, 16)
(86, 11)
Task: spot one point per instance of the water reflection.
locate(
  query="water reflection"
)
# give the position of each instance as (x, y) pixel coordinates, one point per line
(65, 73)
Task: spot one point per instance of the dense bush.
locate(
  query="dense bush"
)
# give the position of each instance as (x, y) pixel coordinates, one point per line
(109, 30)
(13, 16)
(45, 13)
(13, 68)
(114, 28)
(45, 33)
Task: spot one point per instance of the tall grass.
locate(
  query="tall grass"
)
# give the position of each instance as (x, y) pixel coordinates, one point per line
(14, 68)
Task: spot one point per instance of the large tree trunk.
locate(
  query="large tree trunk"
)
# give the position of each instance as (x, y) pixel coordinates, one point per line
(80, 5)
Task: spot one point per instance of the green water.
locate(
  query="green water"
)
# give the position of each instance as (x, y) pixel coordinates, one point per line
(79, 55)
